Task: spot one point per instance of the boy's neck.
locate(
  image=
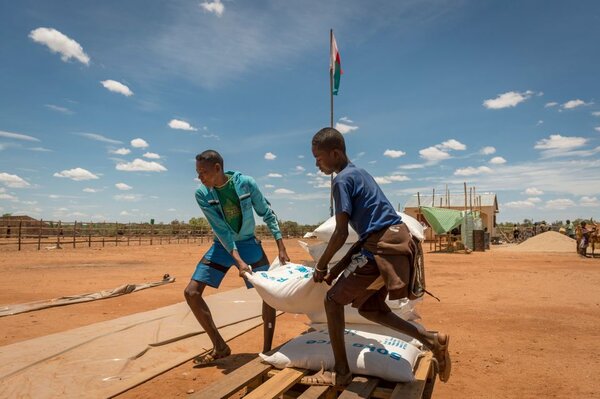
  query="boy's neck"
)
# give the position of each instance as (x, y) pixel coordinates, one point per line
(343, 163)
(221, 180)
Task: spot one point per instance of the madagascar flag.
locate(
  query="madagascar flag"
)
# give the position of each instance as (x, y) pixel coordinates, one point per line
(335, 66)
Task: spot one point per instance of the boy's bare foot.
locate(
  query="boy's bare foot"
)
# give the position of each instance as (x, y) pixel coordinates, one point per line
(441, 354)
(209, 357)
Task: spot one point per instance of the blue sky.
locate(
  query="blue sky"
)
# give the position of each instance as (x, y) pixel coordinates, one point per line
(103, 105)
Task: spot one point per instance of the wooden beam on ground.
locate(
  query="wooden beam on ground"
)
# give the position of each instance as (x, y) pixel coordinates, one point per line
(277, 385)
(415, 389)
(233, 382)
(318, 392)
(360, 387)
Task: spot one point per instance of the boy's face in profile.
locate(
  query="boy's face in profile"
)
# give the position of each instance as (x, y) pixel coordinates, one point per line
(326, 161)
(208, 173)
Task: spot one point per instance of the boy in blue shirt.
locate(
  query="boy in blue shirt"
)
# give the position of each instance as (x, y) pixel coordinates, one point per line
(389, 246)
(228, 199)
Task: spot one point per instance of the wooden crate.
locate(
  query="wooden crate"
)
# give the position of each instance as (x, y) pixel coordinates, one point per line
(257, 380)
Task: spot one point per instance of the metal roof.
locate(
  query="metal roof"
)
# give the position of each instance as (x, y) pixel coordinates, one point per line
(456, 201)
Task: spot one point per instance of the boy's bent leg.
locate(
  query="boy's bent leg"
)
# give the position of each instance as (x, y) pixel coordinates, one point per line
(268, 316)
(437, 342)
(336, 324)
(193, 296)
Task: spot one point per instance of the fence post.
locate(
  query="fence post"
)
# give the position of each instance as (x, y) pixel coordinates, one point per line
(58, 235)
(90, 234)
(20, 224)
(151, 233)
(116, 234)
(40, 234)
(128, 233)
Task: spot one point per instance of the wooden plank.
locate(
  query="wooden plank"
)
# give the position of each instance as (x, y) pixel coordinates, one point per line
(360, 387)
(277, 385)
(233, 382)
(316, 392)
(414, 390)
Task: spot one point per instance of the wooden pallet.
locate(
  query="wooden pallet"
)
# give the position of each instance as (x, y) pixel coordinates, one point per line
(257, 380)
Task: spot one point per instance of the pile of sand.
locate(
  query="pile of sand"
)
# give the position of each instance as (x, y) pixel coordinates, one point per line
(550, 241)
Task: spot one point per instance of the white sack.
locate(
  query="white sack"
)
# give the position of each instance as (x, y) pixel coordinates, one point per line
(325, 230)
(290, 288)
(316, 250)
(377, 329)
(371, 354)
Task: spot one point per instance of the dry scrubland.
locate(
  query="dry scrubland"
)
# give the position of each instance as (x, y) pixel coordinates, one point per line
(523, 324)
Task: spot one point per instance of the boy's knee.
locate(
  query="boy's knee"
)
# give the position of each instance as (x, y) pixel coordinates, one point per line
(191, 293)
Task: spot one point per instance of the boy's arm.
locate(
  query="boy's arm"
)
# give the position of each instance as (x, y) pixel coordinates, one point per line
(338, 238)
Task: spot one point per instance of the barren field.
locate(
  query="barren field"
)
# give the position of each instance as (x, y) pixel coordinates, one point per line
(523, 324)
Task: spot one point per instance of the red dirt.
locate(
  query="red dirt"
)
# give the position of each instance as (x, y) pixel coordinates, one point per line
(523, 325)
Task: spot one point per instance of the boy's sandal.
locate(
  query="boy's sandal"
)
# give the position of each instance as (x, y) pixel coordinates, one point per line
(441, 358)
(209, 357)
(327, 378)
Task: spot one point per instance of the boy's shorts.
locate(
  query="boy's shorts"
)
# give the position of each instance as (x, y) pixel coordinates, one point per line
(216, 261)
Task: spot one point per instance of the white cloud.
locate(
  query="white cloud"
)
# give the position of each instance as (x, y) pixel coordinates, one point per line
(139, 143)
(181, 125)
(557, 145)
(151, 155)
(300, 156)
(551, 104)
(269, 186)
(346, 119)
(433, 154)
(344, 128)
(56, 108)
(99, 137)
(215, 7)
(390, 179)
(123, 186)
(283, 191)
(17, 136)
(139, 165)
(596, 113)
(561, 203)
(393, 153)
(470, 171)
(121, 151)
(519, 204)
(39, 149)
(116, 87)
(412, 166)
(453, 145)
(90, 190)
(8, 197)
(382, 180)
(597, 128)
(60, 43)
(270, 156)
(274, 175)
(300, 168)
(77, 174)
(171, 210)
(13, 181)
(124, 213)
(539, 123)
(127, 197)
(489, 150)
(507, 100)
(497, 161)
(533, 191)
(574, 104)
(534, 199)
(589, 201)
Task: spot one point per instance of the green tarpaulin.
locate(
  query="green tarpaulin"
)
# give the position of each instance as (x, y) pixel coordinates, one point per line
(442, 220)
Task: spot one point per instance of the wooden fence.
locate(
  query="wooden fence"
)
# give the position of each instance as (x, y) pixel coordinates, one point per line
(40, 234)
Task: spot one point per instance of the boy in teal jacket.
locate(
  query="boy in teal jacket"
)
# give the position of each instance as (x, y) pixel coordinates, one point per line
(228, 199)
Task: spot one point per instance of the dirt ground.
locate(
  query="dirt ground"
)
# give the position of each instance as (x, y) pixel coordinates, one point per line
(523, 325)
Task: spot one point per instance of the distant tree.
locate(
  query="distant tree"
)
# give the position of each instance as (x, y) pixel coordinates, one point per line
(5, 215)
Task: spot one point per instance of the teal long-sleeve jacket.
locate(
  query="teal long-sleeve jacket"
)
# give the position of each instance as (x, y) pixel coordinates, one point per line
(250, 198)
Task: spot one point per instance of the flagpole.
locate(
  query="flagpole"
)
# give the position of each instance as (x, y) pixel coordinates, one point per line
(331, 114)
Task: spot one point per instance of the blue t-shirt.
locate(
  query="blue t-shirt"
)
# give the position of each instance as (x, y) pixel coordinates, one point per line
(356, 193)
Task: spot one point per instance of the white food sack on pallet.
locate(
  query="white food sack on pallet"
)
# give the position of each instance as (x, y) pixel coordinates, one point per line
(371, 354)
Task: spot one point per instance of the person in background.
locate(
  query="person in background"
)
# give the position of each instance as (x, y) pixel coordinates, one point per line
(585, 239)
(228, 199)
(570, 229)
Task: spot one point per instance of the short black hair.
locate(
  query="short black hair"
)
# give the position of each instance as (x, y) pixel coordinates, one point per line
(329, 139)
(210, 156)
